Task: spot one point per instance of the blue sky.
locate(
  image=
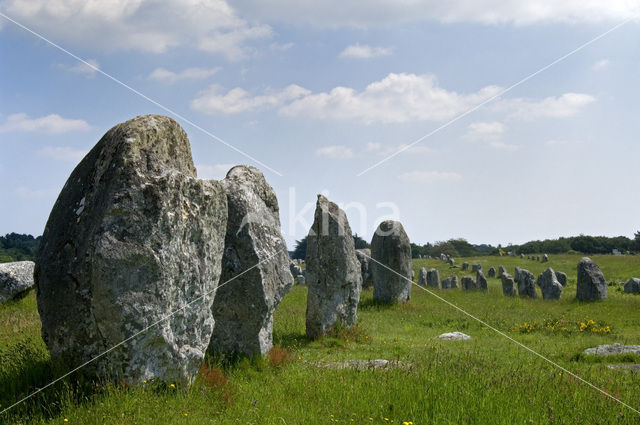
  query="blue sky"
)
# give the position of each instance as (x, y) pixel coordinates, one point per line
(321, 92)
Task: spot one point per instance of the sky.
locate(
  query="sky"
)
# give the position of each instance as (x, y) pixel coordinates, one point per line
(443, 115)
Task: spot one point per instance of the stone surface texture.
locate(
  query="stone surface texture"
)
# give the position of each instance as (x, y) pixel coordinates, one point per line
(390, 247)
(591, 283)
(549, 286)
(16, 279)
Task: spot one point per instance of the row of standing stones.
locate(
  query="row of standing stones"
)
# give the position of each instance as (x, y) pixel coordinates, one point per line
(144, 267)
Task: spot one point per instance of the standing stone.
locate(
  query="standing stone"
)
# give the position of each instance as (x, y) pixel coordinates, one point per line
(452, 262)
(468, 283)
(476, 267)
(562, 278)
(390, 246)
(521, 255)
(295, 269)
(334, 275)
(527, 284)
(450, 283)
(491, 272)
(549, 286)
(422, 277)
(255, 266)
(363, 256)
(16, 279)
(501, 270)
(481, 281)
(433, 278)
(516, 274)
(133, 237)
(508, 285)
(465, 266)
(545, 258)
(591, 283)
(538, 258)
(301, 279)
(632, 286)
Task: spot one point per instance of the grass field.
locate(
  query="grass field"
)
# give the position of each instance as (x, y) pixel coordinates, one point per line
(487, 380)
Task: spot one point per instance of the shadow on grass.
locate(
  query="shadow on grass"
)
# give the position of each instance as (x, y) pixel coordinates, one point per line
(372, 304)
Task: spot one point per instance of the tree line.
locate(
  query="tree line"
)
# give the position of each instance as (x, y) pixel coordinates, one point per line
(18, 247)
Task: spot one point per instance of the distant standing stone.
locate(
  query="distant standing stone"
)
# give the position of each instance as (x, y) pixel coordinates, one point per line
(468, 283)
(562, 278)
(591, 283)
(516, 274)
(538, 258)
(422, 277)
(545, 258)
(390, 246)
(549, 286)
(481, 281)
(334, 276)
(521, 255)
(527, 284)
(465, 266)
(508, 285)
(364, 255)
(433, 278)
(501, 270)
(632, 286)
(476, 267)
(452, 262)
(301, 279)
(16, 279)
(491, 272)
(450, 282)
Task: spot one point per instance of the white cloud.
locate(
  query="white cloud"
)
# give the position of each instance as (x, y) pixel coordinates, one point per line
(382, 150)
(213, 101)
(161, 74)
(555, 142)
(377, 13)
(281, 47)
(504, 146)
(373, 147)
(82, 68)
(62, 153)
(52, 124)
(335, 152)
(601, 64)
(216, 171)
(485, 130)
(428, 176)
(397, 98)
(146, 25)
(563, 106)
(363, 51)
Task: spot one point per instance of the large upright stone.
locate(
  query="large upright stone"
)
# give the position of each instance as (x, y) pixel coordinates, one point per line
(632, 286)
(468, 283)
(562, 278)
(390, 248)
(134, 241)
(491, 272)
(516, 274)
(422, 277)
(433, 278)
(508, 285)
(501, 270)
(481, 280)
(333, 272)
(465, 266)
(545, 258)
(476, 267)
(591, 283)
(450, 282)
(255, 266)
(527, 284)
(16, 279)
(363, 256)
(549, 286)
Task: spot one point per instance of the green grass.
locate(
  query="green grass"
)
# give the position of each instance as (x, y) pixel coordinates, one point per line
(488, 380)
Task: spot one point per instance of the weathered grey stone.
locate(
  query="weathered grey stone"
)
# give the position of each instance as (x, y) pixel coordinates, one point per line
(465, 266)
(591, 283)
(422, 277)
(549, 286)
(545, 258)
(450, 282)
(562, 278)
(508, 285)
(476, 267)
(537, 258)
(501, 270)
(521, 255)
(527, 284)
(433, 278)
(468, 284)
(390, 246)
(255, 266)
(491, 272)
(295, 269)
(452, 262)
(516, 274)
(301, 279)
(334, 275)
(481, 281)
(613, 349)
(16, 279)
(363, 256)
(632, 286)
(134, 240)
(454, 336)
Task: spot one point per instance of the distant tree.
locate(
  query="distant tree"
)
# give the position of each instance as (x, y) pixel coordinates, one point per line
(359, 242)
(636, 240)
(300, 251)
(443, 248)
